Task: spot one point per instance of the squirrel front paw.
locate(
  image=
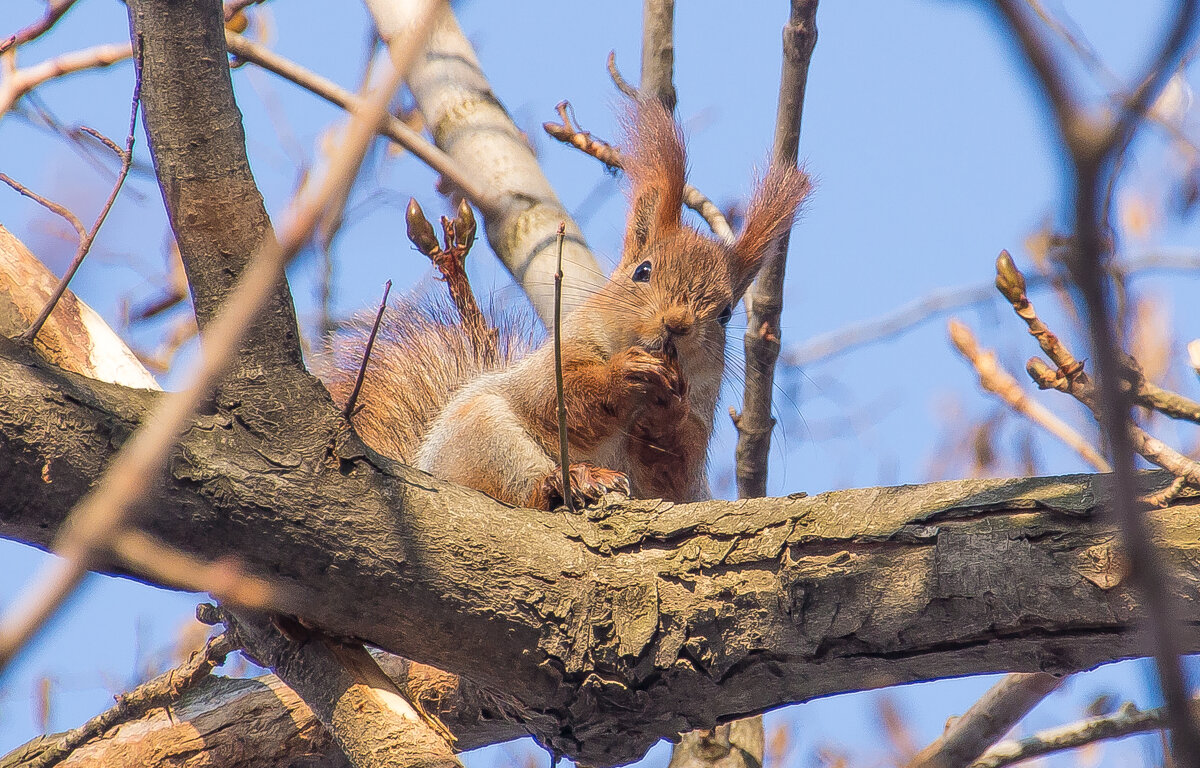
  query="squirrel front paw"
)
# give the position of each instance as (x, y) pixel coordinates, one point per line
(656, 379)
(588, 484)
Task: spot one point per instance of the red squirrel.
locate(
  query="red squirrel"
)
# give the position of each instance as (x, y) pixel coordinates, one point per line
(643, 358)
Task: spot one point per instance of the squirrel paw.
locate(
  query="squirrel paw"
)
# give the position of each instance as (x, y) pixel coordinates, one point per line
(657, 377)
(588, 484)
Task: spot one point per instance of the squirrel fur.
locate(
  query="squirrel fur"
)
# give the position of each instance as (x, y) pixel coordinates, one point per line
(643, 357)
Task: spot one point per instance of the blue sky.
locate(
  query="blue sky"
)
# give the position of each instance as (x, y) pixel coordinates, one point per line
(931, 152)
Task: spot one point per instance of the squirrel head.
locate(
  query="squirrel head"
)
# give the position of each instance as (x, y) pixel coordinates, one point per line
(674, 289)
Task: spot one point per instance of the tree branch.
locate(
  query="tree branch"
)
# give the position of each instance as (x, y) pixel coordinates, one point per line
(764, 300)
(618, 628)
(198, 144)
(658, 52)
(469, 123)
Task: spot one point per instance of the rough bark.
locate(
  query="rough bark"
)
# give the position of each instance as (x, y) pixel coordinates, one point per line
(215, 208)
(470, 124)
(641, 619)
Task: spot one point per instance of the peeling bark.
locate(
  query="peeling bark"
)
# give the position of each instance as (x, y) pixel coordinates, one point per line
(635, 621)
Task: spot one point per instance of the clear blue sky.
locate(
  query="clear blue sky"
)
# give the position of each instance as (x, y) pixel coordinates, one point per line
(931, 153)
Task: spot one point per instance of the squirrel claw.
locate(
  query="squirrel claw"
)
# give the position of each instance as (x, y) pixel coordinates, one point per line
(588, 484)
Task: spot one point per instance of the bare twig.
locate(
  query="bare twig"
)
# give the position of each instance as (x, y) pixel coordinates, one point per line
(49, 205)
(158, 692)
(622, 84)
(106, 511)
(54, 11)
(563, 458)
(996, 380)
(986, 721)
(658, 52)
(569, 132)
(1095, 145)
(351, 401)
(1127, 721)
(89, 237)
(764, 300)
(449, 258)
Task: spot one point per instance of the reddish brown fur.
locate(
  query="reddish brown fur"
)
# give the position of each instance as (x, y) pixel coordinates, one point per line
(642, 361)
(422, 356)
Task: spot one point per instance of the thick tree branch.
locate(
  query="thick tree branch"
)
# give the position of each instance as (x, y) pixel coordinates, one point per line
(639, 620)
(470, 124)
(196, 137)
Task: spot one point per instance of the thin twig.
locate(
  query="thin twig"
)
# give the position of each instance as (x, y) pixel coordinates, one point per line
(1127, 721)
(161, 691)
(225, 579)
(348, 411)
(764, 300)
(986, 721)
(569, 132)
(85, 242)
(106, 510)
(996, 380)
(622, 84)
(49, 205)
(558, 375)
(54, 11)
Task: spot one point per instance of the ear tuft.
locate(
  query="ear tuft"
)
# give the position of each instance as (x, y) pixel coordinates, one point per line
(769, 215)
(656, 163)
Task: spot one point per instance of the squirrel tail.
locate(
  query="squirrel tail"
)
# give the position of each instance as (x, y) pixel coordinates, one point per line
(422, 355)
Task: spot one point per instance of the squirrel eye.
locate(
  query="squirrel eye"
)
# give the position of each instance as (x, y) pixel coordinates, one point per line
(725, 315)
(642, 273)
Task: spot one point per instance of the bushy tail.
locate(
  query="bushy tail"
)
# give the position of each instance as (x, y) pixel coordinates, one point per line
(422, 356)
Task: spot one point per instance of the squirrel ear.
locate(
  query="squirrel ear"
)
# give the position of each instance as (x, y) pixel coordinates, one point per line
(655, 163)
(770, 214)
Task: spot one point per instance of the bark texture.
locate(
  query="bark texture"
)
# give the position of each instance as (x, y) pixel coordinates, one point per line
(198, 144)
(470, 124)
(638, 620)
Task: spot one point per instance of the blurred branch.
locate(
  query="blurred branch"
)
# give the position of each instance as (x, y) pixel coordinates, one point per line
(658, 52)
(1095, 145)
(55, 9)
(569, 132)
(1129, 720)
(469, 123)
(393, 127)
(996, 380)
(16, 83)
(994, 715)
(764, 300)
(908, 316)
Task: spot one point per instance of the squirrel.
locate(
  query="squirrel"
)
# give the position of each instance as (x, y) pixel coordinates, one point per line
(642, 357)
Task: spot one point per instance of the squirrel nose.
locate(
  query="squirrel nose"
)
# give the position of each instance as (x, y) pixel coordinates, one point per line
(678, 321)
